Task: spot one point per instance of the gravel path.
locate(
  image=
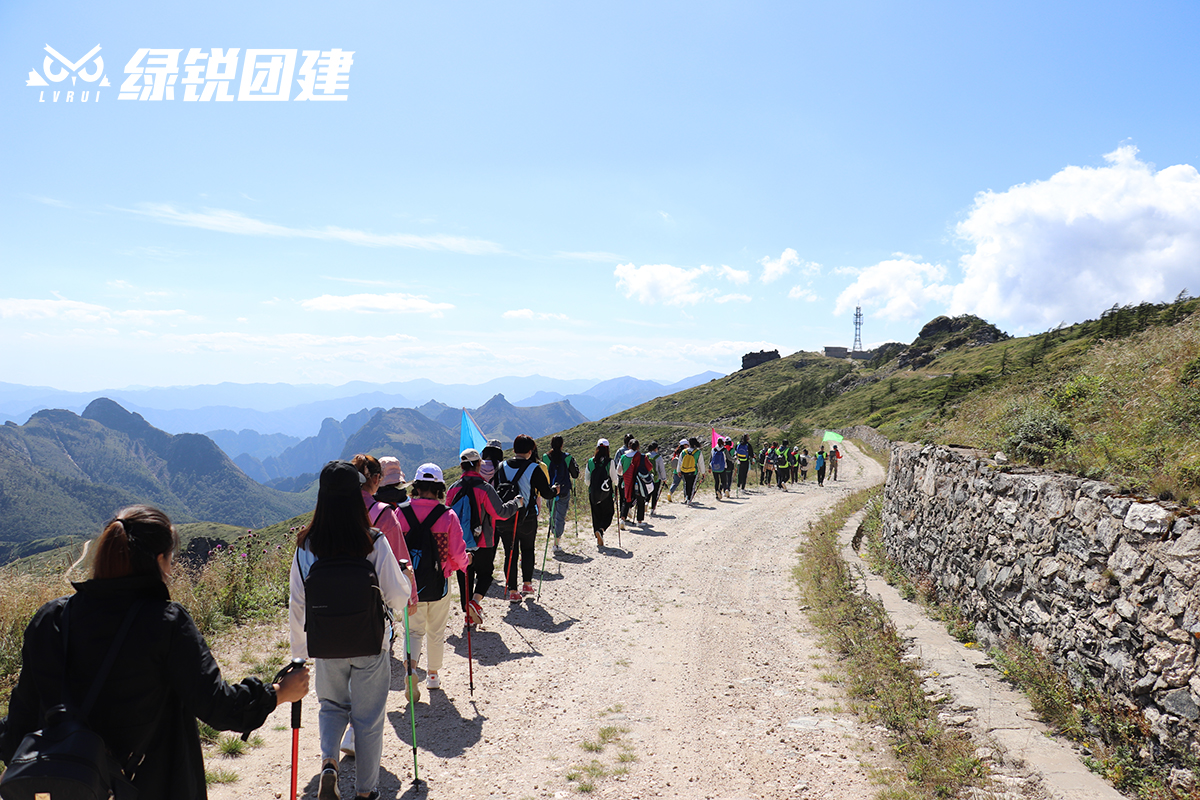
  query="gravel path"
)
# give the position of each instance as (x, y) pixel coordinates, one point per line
(678, 664)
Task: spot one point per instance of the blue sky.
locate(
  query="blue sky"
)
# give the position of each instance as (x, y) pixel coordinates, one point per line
(579, 191)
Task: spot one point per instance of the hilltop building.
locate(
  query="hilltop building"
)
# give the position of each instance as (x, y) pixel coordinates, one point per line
(761, 357)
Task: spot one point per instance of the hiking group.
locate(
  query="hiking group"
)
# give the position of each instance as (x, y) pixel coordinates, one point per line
(376, 551)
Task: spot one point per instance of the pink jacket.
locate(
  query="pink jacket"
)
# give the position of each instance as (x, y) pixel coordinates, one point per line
(383, 517)
(447, 526)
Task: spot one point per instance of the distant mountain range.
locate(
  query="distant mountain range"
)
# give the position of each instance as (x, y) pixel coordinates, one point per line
(300, 410)
(63, 475)
(618, 394)
(412, 435)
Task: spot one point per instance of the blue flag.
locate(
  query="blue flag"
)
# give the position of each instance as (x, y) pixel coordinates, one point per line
(470, 435)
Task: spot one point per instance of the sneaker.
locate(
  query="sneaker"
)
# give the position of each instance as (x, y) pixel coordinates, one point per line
(670, 497)
(527, 588)
(557, 547)
(412, 694)
(328, 788)
(348, 742)
(433, 681)
(599, 539)
(474, 613)
(514, 596)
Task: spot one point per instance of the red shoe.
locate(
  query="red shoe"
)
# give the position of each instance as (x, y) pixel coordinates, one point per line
(514, 596)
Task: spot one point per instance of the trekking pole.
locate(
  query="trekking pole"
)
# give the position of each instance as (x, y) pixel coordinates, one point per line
(297, 663)
(470, 661)
(408, 690)
(546, 550)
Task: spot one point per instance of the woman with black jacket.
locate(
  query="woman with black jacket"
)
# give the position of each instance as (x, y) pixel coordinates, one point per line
(164, 676)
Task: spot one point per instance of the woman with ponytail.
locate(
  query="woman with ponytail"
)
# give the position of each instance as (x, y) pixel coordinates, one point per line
(163, 677)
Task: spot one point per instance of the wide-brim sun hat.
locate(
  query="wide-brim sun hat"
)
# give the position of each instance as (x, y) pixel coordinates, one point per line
(392, 474)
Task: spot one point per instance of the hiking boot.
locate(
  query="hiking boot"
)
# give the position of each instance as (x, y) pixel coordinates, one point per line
(348, 742)
(412, 694)
(328, 788)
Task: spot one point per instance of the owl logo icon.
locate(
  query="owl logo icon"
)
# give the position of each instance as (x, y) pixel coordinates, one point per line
(90, 69)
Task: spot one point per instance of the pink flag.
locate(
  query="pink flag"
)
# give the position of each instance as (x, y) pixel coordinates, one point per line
(715, 437)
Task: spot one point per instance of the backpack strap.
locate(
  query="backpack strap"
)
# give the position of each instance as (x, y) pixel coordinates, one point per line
(382, 511)
(426, 524)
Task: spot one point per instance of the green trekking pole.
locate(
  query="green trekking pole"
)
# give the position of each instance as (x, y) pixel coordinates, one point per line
(546, 550)
(412, 711)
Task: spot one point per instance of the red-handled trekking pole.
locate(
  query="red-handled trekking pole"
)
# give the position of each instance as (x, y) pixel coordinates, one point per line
(297, 663)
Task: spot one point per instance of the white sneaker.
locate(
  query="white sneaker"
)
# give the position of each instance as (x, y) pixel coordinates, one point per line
(433, 682)
(557, 547)
(348, 741)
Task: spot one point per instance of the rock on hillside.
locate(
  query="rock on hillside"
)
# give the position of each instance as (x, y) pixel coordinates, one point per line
(948, 333)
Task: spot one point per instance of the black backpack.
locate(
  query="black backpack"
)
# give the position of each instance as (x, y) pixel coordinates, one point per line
(600, 483)
(67, 759)
(510, 488)
(343, 607)
(432, 584)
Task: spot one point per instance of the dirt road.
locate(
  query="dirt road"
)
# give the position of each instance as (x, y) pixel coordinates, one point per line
(678, 663)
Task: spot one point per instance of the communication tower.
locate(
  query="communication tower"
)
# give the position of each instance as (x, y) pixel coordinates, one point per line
(857, 330)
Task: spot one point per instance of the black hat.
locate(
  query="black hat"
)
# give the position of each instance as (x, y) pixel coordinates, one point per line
(340, 478)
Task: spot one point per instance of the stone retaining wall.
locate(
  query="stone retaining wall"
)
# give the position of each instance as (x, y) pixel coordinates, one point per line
(869, 435)
(1104, 584)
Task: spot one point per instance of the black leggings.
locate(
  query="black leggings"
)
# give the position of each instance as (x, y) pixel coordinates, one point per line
(743, 473)
(523, 548)
(689, 485)
(478, 574)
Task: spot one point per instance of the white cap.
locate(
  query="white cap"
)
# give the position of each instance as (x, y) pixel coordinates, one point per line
(602, 442)
(429, 472)
(470, 454)
(683, 442)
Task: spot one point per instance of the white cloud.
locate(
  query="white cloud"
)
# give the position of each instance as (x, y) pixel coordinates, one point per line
(72, 310)
(393, 303)
(50, 201)
(733, 298)
(775, 268)
(224, 221)
(529, 314)
(666, 217)
(802, 293)
(76, 311)
(1070, 246)
(662, 283)
(899, 289)
(734, 275)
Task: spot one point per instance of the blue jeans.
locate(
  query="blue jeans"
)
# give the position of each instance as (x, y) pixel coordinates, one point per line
(354, 690)
(560, 505)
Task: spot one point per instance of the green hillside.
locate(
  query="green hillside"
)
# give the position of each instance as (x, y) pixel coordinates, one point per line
(1116, 398)
(62, 476)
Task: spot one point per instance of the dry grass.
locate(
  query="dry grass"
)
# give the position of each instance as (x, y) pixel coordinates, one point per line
(938, 762)
(1128, 412)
